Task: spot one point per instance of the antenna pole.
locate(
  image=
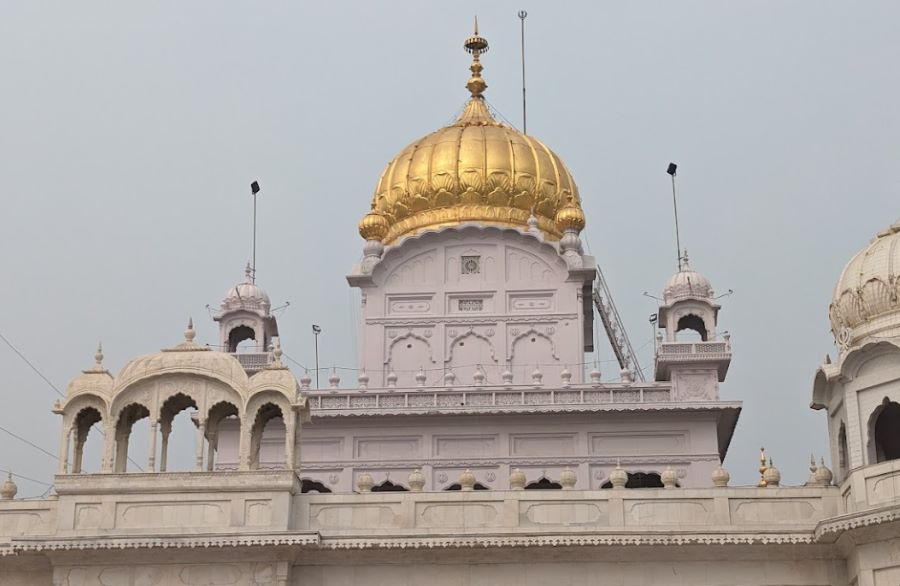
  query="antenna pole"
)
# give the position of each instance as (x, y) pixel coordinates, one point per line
(671, 171)
(522, 15)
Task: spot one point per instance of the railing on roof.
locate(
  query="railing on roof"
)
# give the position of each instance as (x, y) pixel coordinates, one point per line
(253, 361)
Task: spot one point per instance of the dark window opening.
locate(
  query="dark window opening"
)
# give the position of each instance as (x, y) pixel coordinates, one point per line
(543, 484)
(238, 335)
(456, 486)
(640, 480)
(307, 485)
(887, 432)
(693, 323)
(388, 486)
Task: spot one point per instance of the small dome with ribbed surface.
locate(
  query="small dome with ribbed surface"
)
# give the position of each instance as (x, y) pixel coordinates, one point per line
(866, 301)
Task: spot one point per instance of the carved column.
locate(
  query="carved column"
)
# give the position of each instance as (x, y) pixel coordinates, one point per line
(109, 445)
(212, 441)
(151, 453)
(79, 451)
(244, 445)
(201, 434)
(122, 451)
(64, 450)
(290, 436)
(166, 429)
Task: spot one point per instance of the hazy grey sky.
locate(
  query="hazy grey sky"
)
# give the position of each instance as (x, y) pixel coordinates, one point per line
(129, 133)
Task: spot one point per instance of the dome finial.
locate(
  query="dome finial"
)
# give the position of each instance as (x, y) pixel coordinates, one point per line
(476, 45)
(248, 272)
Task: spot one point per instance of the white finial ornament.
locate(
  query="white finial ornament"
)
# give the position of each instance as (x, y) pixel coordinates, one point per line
(416, 480)
(596, 377)
(720, 477)
(467, 480)
(568, 478)
(618, 477)
(669, 478)
(421, 377)
(626, 375)
(305, 380)
(363, 380)
(392, 380)
(517, 479)
(189, 333)
(365, 482)
(277, 352)
(566, 376)
(537, 377)
(824, 476)
(334, 380)
(507, 377)
(449, 378)
(8, 489)
(772, 476)
(479, 376)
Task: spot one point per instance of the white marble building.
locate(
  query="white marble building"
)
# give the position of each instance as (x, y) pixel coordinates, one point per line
(475, 445)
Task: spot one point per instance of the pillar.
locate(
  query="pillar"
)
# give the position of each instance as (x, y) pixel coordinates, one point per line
(201, 433)
(290, 424)
(166, 429)
(64, 450)
(151, 450)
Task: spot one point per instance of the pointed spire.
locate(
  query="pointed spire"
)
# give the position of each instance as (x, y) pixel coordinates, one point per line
(476, 45)
(189, 333)
(98, 361)
(248, 273)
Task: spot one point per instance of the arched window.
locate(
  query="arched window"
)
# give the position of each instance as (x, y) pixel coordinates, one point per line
(884, 431)
(543, 484)
(843, 457)
(238, 335)
(691, 325)
(84, 421)
(307, 485)
(388, 486)
(177, 415)
(267, 438)
(640, 480)
(219, 413)
(127, 418)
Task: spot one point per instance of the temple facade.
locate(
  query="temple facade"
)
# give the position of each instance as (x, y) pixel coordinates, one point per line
(476, 444)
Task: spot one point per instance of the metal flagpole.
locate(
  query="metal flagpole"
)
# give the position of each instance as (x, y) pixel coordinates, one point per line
(522, 15)
(254, 189)
(316, 331)
(671, 171)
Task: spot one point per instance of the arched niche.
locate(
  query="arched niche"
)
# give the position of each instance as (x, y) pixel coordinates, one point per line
(176, 416)
(468, 353)
(843, 452)
(405, 356)
(268, 432)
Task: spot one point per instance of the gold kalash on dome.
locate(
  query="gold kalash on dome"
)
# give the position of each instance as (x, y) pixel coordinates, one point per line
(475, 170)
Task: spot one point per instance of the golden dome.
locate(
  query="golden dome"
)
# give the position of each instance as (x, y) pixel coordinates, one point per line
(476, 169)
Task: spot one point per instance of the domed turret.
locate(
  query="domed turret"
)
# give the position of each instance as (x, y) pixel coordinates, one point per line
(866, 301)
(687, 284)
(475, 170)
(245, 314)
